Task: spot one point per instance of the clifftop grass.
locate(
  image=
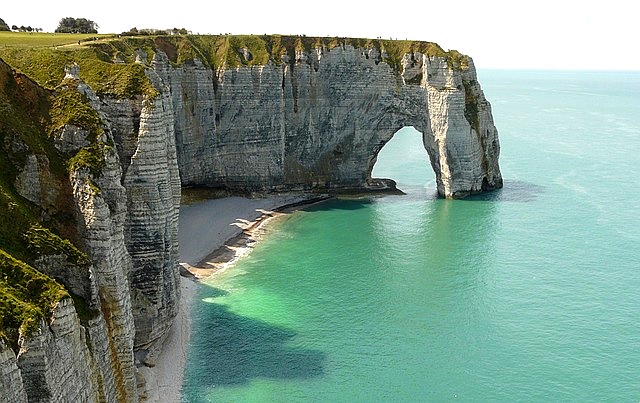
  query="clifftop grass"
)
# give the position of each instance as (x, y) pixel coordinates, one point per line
(46, 67)
(107, 65)
(46, 39)
(227, 51)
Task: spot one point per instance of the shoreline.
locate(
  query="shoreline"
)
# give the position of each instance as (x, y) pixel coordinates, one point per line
(213, 234)
(241, 244)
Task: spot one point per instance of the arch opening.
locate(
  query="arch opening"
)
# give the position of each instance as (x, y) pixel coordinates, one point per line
(404, 160)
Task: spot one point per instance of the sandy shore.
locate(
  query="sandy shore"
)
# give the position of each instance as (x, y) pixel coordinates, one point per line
(212, 234)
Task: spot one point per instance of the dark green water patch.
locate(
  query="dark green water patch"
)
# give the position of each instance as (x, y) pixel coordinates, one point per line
(234, 349)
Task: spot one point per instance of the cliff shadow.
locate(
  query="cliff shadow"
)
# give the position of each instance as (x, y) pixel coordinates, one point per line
(342, 203)
(229, 349)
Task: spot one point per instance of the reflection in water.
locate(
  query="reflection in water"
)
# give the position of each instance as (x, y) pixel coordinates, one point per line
(441, 258)
(513, 191)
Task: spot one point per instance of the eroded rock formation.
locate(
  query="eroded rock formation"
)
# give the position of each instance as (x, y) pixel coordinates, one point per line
(318, 122)
(311, 120)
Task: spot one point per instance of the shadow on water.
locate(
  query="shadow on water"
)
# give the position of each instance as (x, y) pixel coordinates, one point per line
(213, 292)
(512, 191)
(342, 204)
(229, 349)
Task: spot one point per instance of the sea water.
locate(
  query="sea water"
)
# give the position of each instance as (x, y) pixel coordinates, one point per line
(529, 293)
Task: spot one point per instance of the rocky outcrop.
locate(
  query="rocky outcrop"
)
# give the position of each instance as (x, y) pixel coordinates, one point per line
(101, 200)
(55, 363)
(143, 133)
(318, 120)
(11, 384)
(152, 182)
(28, 182)
(465, 146)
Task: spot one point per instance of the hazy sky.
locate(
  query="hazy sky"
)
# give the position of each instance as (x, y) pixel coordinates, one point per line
(503, 34)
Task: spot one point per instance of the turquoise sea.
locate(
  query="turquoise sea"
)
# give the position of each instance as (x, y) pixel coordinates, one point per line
(529, 293)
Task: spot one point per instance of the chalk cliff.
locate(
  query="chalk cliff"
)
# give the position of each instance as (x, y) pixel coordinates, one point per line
(271, 114)
(318, 119)
(152, 183)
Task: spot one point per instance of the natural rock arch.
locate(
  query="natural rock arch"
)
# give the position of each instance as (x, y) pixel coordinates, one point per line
(318, 122)
(399, 139)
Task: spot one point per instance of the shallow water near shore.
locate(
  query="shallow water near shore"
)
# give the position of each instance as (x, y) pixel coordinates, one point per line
(529, 293)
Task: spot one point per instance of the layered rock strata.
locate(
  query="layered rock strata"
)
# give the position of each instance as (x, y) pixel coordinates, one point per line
(318, 121)
(55, 363)
(152, 183)
(127, 213)
(11, 383)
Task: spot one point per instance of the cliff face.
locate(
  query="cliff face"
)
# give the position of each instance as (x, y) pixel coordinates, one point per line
(319, 121)
(55, 363)
(144, 128)
(126, 214)
(308, 118)
(131, 226)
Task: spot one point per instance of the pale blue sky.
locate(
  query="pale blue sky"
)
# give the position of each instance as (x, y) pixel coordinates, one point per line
(497, 34)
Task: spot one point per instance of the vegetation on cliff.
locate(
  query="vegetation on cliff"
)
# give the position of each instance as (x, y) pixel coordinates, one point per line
(230, 51)
(108, 64)
(26, 297)
(70, 107)
(42, 242)
(28, 231)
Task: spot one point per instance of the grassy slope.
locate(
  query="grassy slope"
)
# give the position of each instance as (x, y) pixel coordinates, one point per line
(26, 296)
(45, 39)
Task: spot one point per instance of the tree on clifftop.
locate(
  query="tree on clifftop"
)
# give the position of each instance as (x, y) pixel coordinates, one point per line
(77, 26)
(4, 26)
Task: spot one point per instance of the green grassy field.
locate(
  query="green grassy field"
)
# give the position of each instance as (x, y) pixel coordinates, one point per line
(45, 39)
